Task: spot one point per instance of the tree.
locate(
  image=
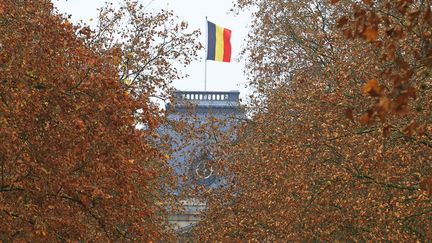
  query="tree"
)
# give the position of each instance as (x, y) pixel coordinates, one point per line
(149, 48)
(73, 166)
(329, 154)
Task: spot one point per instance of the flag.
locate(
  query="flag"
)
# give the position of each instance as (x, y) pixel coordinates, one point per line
(219, 43)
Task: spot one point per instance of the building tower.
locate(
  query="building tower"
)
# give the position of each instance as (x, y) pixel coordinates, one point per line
(193, 160)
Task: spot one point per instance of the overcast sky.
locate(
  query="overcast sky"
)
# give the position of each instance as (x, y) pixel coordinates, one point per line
(220, 76)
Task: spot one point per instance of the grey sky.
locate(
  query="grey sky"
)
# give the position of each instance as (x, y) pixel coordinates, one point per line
(220, 76)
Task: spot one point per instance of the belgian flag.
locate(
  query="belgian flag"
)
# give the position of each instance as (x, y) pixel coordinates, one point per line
(219, 43)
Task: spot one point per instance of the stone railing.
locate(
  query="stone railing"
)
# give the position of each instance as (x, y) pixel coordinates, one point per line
(227, 96)
(182, 222)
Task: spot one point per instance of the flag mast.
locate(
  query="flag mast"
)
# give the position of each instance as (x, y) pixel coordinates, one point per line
(205, 58)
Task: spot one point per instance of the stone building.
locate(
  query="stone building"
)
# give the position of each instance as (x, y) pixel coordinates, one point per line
(193, 159)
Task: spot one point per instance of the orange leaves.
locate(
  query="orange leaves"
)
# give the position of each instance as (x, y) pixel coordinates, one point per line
(384, 104)
(362, 24)
(66, 24)
(74, 140)
(397, 55)
(373, 88)
(366, 117)
(370, 33)
(383, 107)
(388, 56)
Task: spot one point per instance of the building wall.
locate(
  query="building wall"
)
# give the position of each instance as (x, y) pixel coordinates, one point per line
(193, 158)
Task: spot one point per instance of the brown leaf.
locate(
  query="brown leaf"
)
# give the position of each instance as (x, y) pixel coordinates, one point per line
(411, 92)
(426, 185)
(401, 103)
(428, 15)
(368, 2)
(366, 117)
(384, 104)
(347, 33)
(349, 114)
(386, 131)
(411, 128)
(342, 21)
(421, 130)
(370, 33)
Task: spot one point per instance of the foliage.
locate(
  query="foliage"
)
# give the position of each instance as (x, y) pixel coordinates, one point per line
(73, 166)
(149, 47)
(338, 147)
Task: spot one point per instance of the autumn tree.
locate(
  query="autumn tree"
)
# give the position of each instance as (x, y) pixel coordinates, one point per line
(149, 47)
(331, 152)
(73, 165)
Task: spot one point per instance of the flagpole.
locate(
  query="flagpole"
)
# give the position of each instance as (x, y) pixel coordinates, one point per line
(205, 58)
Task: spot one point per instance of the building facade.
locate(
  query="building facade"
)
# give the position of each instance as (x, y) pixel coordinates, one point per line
(209, 116)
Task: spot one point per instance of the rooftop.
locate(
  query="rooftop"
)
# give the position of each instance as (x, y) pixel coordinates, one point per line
(212, 99)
